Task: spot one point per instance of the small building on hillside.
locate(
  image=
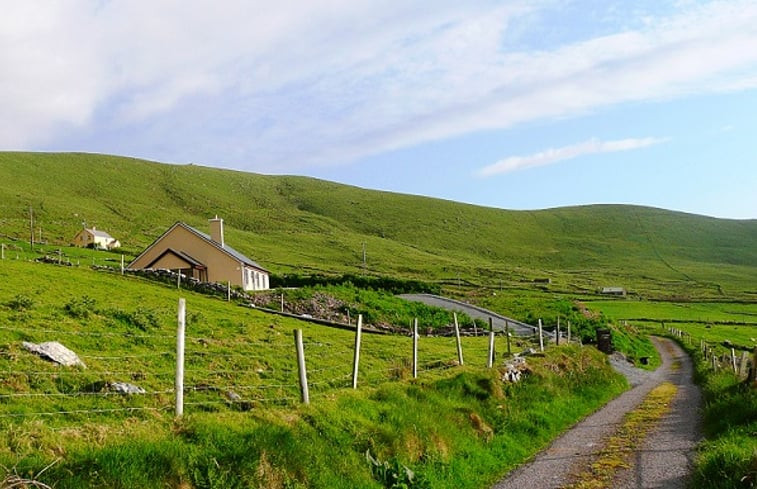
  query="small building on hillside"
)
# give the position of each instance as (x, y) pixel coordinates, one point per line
(94, 238)
(204, 257)
(620, 291)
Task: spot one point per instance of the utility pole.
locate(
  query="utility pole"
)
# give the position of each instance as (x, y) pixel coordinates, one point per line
(364, 258)
(31, 228)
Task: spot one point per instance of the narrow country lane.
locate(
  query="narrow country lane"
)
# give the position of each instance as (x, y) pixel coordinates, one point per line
(664, 459)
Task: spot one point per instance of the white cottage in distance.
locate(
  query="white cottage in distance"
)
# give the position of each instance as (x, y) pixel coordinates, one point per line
(95, 238)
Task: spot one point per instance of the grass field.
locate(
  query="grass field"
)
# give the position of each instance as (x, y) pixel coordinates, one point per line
(456, 426)
(303, 225)
(712, 322)
(244, 424)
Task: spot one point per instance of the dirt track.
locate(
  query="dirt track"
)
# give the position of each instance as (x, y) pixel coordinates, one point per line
(663, 461)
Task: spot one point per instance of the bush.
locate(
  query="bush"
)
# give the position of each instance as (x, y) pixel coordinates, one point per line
(390, 284)
(80, 308)
(394, 475)
(141, 318)
(20, 302)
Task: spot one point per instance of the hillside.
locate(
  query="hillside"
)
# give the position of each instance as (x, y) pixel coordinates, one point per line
(243, 422)
(298, 224)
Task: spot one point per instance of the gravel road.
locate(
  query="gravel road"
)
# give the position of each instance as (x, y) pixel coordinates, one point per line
(517, 328)
(664, 460)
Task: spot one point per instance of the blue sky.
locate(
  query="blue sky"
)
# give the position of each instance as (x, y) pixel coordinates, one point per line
(517, 104)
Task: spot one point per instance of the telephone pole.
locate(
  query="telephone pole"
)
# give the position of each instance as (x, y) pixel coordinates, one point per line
(364, 258)
(31, 228)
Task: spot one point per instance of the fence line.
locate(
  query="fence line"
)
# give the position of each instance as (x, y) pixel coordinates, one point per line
(82, 411)
(211, 370)
(726, 359)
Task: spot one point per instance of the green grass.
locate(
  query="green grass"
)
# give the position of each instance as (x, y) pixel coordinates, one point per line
(304, 225)
(715, 323)
(727, 459)
(455, 426)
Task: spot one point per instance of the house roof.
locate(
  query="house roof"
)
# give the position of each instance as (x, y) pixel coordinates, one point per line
(609, 290)
(226, 248)
(98, 233)
(206, 237)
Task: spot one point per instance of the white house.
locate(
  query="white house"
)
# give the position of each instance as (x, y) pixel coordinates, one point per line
(94, 238)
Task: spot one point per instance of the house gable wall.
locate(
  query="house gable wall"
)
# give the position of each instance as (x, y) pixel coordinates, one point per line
(220, 266)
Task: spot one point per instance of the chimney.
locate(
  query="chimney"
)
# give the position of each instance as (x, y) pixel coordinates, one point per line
(216, 230)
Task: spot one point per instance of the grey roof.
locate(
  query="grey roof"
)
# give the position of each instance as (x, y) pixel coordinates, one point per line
(613, 289)
(99, 234)
(228, 249)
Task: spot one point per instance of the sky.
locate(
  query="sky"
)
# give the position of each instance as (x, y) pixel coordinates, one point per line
(510, 104)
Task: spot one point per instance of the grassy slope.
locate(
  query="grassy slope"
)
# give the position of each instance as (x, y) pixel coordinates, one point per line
(459, 426)
(303, 224)
(698, 319)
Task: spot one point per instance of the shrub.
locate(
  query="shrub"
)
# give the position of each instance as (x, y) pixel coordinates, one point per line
(394, 475)
(141, 318)
(20, 302)
(80, 308)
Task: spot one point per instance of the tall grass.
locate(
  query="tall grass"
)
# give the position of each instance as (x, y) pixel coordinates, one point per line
(462, 431)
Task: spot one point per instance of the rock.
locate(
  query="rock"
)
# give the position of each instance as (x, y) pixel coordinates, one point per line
(515, 369)
(233, 396)
(527, 352)
(55, 352)
(126, 388)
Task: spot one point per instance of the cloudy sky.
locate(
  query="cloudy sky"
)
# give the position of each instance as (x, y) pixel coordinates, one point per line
(512, 104)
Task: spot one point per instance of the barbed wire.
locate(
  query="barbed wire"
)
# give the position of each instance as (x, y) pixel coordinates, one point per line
(89, 372)
(84, 411)
(126, 334)
(80, 394)
(119, 357)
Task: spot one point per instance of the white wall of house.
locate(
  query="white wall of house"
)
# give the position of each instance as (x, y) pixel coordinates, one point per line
(255, 280)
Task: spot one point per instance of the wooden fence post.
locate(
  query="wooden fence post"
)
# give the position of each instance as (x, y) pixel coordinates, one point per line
(179, 385)
(122, 264)
(457, 338)
(282, 303)
(568, 331)
(415, 348)
(541, 337)
(490, 359)
(733, 361)
(744, 364)
(356, 358)
(557, 332)
(228, 291)
(305, 394)
(507, 334)
(753, 372)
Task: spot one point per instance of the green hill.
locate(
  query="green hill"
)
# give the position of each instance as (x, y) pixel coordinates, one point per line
(304, 225)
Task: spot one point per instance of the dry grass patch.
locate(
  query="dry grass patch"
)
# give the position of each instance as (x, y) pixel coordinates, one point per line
(629, 437)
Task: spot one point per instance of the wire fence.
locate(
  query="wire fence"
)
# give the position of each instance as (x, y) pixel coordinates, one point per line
(720, 356)
(214, 372)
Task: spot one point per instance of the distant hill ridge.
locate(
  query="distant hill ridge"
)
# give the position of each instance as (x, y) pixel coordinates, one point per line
(299, 224)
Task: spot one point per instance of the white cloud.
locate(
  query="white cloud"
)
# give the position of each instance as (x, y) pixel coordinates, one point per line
(555, 155)
(279, 86)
